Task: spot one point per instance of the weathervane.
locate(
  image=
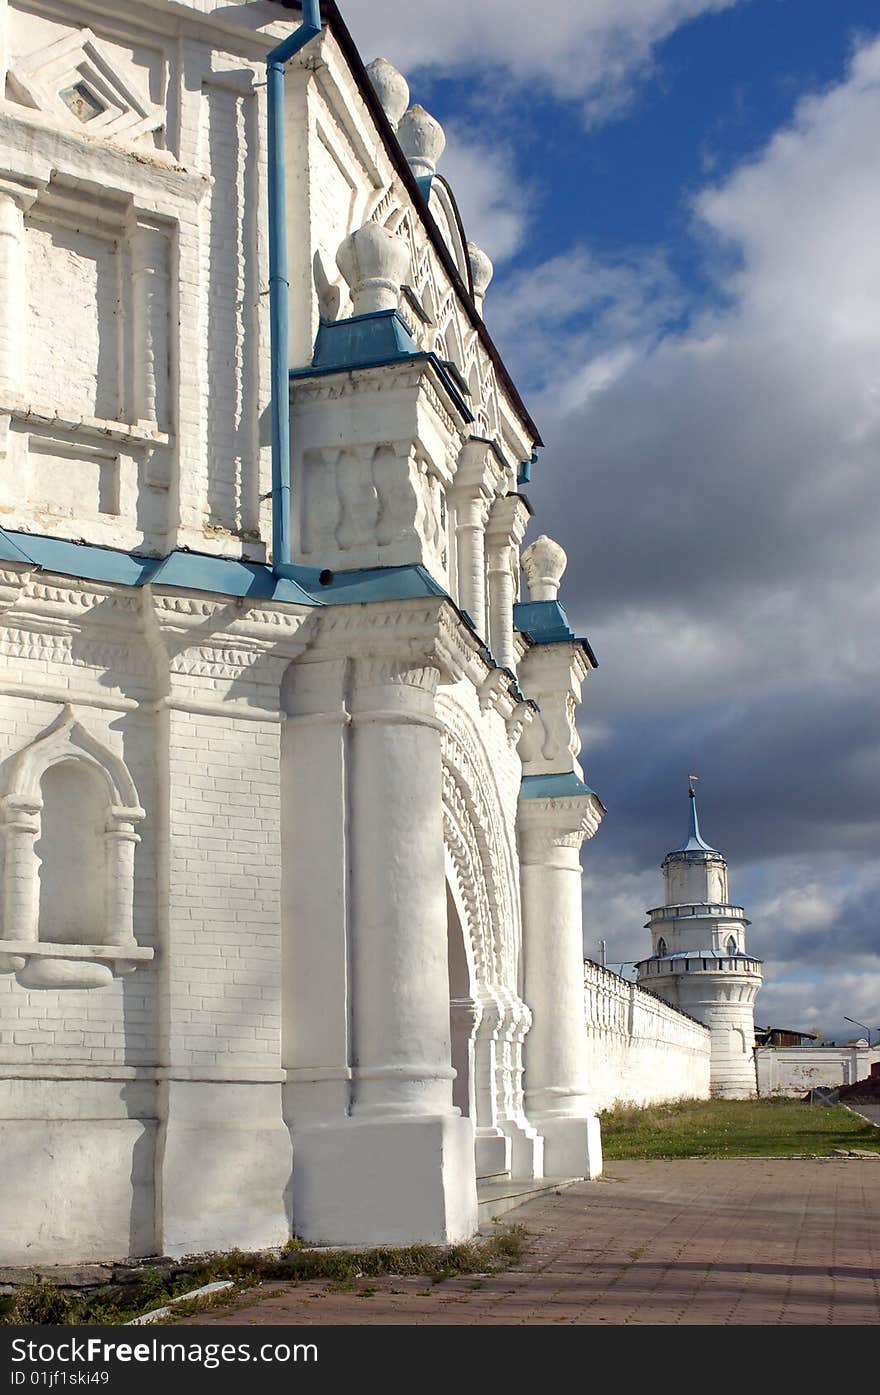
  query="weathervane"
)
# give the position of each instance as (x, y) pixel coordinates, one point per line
(692, 779)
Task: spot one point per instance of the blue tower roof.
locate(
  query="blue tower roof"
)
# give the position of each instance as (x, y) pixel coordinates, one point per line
(696, 845)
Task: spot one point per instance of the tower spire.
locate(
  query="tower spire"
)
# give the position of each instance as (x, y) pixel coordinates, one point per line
(695, 843)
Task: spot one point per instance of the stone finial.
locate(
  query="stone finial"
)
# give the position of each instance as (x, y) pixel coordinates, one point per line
(482, 271)
(375, 263)
(422, 139)
(544, 564)
(391, 87)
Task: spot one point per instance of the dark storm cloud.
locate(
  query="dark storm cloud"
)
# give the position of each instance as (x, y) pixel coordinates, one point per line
(717, 487)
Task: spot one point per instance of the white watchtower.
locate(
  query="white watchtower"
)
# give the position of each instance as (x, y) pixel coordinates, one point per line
(699, 961)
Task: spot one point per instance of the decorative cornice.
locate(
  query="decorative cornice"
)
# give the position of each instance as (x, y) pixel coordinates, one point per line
(232, 639)
(561, 822)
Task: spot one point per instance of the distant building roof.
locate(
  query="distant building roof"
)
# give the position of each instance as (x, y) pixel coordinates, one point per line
(783, 1036)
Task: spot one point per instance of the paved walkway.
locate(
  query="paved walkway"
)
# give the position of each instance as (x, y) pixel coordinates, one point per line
(715, 1242)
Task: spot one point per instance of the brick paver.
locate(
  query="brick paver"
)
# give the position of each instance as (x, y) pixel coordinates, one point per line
(700, 1242)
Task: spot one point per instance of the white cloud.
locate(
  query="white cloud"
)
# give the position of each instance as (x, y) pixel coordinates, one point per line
(603, 313)
(713, 474)
(591, 51)
(728, 469)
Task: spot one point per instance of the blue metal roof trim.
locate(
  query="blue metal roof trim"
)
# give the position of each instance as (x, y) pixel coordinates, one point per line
(553, 786)
(84, 560)
(225, 576)
(374, 341)
(380, 584)
(545, 622)
(425, 183)
(362, 339)
(10, 551)
(228, 576)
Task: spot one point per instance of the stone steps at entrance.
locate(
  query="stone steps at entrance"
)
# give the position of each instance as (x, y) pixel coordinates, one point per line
(498, 1195)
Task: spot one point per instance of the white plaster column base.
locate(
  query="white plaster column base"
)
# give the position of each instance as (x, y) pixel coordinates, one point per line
(572, 1147)
(526, 1151)
(385, 1182)
(223, 1168)
(493, 1153)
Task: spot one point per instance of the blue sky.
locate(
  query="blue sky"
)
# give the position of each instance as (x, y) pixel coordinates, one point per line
(682, 199)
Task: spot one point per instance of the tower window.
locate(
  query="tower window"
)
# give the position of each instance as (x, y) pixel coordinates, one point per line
(662, 948)
(732, 946)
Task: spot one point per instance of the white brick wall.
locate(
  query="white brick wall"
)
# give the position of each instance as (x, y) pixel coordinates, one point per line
(222, 961)
(641, 1051)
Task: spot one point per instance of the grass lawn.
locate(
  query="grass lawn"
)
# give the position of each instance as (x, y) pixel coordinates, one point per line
(733, 1129)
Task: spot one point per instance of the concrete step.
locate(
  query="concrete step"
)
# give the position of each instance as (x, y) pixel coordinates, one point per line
(495, 1197)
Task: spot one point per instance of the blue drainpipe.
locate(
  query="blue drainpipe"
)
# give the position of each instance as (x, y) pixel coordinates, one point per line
(279, 286)
(525, 470)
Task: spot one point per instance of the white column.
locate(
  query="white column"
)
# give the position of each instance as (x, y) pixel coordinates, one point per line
(399, 957)
(149, 340)
(471, 514)
(507, 525)
(477, 481)
(556, 1061)
(400, 1169)
(21, 830)
(120, 841)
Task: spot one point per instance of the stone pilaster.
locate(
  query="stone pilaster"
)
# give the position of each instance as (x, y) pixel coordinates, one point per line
(507, 525)
(476, 484)
(148, 243)
(551, 832)
(398, 1167)
(13, 203)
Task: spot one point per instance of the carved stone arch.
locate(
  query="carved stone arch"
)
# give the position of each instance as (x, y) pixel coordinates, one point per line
(497, 950)
(471, 789)
(484, 870)
(67, 739)
(467, 876)
(112, 949)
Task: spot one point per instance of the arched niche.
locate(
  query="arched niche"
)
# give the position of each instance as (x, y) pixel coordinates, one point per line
(69, 822)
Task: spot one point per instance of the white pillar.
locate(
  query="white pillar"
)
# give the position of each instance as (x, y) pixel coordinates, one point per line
(400, 1169)
(471, 516)
(507, 525)
(399, 957)
(149, 341)
(21, 830)
(478, 478)
(120, 841)
(12, 291)
(556, 1065)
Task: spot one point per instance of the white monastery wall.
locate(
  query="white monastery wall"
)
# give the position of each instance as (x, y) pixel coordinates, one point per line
(794, 1070)
(641, 1050)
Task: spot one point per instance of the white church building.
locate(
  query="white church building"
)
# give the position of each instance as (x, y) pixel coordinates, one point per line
(290, 801)
(291, 810)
